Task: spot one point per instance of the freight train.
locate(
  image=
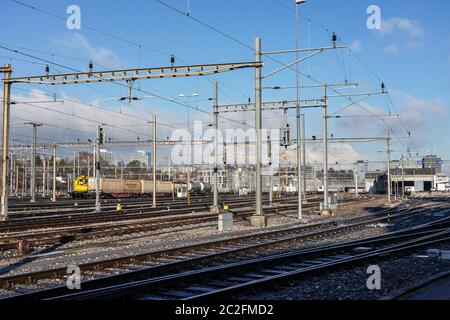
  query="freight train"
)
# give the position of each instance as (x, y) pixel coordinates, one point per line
(85, 187)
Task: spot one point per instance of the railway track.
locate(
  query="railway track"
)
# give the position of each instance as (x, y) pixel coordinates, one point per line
(39, 210)
(52, 236)
(130, 212)
(74, 230)
(236, 278)
(165, 262)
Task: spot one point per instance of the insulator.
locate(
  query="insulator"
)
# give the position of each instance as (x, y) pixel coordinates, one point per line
(47, 69)
(91, 66)
(334, 38)
(172, 60)
(383, 87)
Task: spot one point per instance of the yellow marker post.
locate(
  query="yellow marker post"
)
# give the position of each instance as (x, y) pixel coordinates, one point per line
(225, 208)
(119, 208)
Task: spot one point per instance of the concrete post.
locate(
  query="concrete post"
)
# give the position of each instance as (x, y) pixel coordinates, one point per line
(7, 70)
(403, 176)
(215, 207)
(54, 173)
(326, 206)
(389, 184)
(97, 171)
(304, 158)
(33, 164)
(44, 177)
(154, 161)
(259, 219)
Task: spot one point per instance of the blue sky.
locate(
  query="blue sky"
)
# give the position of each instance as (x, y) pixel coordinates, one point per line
(411, 54)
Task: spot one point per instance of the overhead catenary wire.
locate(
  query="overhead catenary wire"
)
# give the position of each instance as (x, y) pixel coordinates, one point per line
(352, 52)
(122, 39)
(273, 59)
(174, 101)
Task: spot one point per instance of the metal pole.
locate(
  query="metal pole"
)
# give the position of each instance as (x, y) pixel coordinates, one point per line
(403, 176)
(33, 164)
(304, 156)
(74, 165)
(44, 178)
(12, 174)
(7, 70)
(97, 171)
(325, 150)
(154, 161)
(389, 185)
(258, 124)
(23, 160)
(216, 145)
(269, 148)
(299, 149)
(54, 173)
(94, 155)
(356, 180)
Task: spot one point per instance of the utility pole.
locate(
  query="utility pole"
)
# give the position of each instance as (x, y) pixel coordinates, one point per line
(16, 185)
(389, 185)
(54, 173)
(215, 208)
(297, 79)
(403, 176)
(7, 70)
(304, 157)
(269, 153)
(12, 174)
(326, 208)
(33, 161)
(74, 166)
(356, 180)
(259, 219)
(44, 178)
(154, 161)
(98, 143)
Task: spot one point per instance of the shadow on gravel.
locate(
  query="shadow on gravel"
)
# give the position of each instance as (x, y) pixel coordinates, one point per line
(35, 255)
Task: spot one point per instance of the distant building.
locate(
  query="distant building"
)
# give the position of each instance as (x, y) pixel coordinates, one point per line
(432, 162)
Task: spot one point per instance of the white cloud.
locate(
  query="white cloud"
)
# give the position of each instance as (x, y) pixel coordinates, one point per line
(100, 55)
(391, 49)
(405, 32)
(434, 108)
(342, 153)
(403, 26)
(356, 46)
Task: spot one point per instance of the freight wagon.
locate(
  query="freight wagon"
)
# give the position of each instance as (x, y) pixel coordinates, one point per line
(85, 187)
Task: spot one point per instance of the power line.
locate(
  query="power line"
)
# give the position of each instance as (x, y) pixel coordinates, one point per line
(138, 45)
(123, 85)
(271, 58)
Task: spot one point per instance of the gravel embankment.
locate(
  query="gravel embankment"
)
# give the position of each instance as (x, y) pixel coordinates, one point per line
(350, 283)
